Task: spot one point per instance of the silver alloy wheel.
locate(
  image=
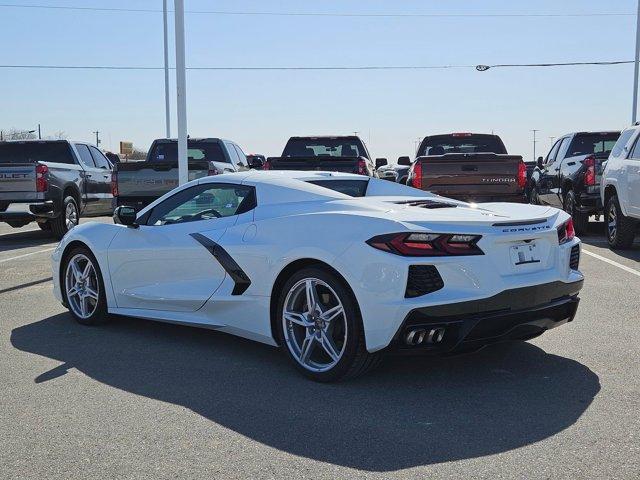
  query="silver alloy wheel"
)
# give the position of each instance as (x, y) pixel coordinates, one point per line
(71, 216)
(81, 285)
(314, 325)
(612, 217)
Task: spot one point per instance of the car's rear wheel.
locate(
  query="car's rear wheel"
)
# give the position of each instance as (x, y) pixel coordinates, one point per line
(68, 218)
(620, 229)
(83, 287)
(320, 327)
(580, 220)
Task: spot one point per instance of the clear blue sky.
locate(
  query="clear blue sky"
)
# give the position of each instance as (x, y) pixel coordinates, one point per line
(260, 110)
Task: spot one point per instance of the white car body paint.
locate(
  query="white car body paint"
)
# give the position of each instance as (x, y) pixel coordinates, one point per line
(162, 273)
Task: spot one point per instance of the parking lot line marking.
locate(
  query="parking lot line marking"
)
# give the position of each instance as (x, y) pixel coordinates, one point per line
(611, 262)
(27, 254)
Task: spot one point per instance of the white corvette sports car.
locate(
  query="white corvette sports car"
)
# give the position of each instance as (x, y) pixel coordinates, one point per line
(334, 268)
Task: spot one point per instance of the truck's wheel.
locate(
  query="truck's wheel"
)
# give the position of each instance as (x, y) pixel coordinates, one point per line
(68, 218)
(620, 229)
(533, 194)
(3, 206)
(580, 220)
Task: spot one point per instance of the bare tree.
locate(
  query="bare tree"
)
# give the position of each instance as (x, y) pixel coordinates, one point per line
(137, 155)
(17, 134)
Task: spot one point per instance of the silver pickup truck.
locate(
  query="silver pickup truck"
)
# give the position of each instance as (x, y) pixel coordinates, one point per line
(137, 184)
(54, 183)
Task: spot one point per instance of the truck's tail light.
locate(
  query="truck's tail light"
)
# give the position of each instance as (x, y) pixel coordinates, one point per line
(566, 232)
(266, 165)
(522, 175)
(416, 178)
(41, 178)
(590, 173)
(114, 184)
(362, 166)
(427, 244)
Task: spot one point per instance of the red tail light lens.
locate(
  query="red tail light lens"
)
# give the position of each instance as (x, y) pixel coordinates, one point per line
(590, 173)
(266, 165)
(41, 178)
(427, 244)
(114, 184)
(522, 175)
(416, 178)
(566, 232)
(362, 166)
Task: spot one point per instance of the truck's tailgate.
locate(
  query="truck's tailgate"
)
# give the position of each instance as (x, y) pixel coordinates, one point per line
(154, 179)
(17, 178)
(329, 164)
(471, 176)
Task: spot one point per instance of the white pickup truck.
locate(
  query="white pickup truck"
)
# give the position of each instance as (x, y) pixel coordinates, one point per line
(621, 189)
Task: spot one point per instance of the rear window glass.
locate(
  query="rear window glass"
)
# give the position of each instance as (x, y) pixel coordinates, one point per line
(589, 143)
(168, 152)
(324, 147)
(443, 144)
(57, 152)
(353, 188)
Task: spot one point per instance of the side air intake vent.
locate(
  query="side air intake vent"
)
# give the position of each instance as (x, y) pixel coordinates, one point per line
(574, 260)
(423, 279)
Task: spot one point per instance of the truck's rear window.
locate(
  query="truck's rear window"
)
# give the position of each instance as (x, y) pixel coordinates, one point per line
(353, 188)
(168, 152)
(324, 147)
(57, 152)
(462, 143)
(589, 143)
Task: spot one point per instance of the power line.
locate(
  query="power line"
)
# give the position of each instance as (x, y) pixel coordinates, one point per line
(287, 68)
(325, 14)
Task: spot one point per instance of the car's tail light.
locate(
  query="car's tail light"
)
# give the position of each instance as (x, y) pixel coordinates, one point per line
(590, 173)
(566, 232)
(416, 178)
(41, 178)
(522, 175)
(114, 184)
(362, 166)
(266, 165)
(427, 244)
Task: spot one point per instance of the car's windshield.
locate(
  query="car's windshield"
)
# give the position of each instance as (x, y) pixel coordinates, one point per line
(19, 152)
(324, 147)
(590, 143)
(168, 152)
(461, 143)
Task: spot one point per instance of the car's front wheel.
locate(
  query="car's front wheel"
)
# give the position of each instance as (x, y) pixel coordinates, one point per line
(320, 327)
(620, 229)
(83, 287)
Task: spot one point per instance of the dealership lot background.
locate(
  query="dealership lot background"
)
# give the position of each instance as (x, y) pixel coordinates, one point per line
(141, 399)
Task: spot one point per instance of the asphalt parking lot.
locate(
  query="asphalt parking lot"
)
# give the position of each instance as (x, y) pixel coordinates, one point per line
(139, 399)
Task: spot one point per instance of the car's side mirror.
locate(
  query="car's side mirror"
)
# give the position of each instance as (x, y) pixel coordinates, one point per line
(124, 215)
(406, 161)
(381, 162)
(540, 162)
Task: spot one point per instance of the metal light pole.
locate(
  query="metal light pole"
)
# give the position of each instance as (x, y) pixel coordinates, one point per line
(97, 138)
(534, 142)
(634, 107)
(181, 93)
(166, 70)
(39, 134)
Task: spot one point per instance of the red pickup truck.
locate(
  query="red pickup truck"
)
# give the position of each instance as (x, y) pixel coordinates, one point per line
(473, 167)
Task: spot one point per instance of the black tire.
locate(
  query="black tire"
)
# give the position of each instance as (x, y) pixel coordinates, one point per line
(46, 226)
(580, 220)
(623, 233)
(533, 194)
(59, 225)
(3, 206)
(100, 314)
(355, 360)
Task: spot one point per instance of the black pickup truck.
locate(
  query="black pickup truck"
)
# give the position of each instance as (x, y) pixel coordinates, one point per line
(54, 183)
(332, 154)
(473, 167)
(569, 176)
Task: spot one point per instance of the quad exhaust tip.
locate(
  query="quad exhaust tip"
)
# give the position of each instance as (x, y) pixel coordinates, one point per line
(424, 336)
